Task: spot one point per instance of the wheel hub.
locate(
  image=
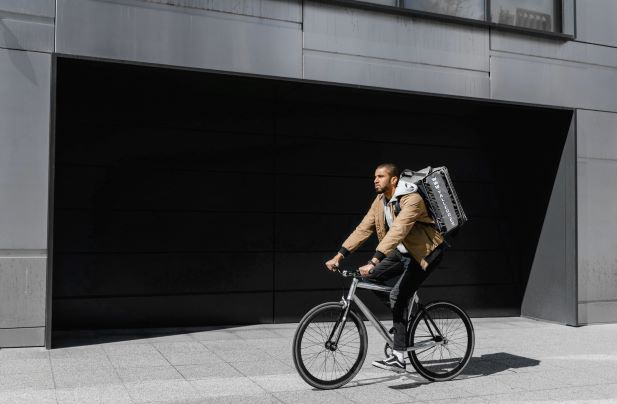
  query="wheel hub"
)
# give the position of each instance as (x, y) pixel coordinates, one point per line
(330, 346)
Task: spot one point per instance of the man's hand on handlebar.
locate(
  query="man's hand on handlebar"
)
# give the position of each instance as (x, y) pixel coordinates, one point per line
(333, 264)
(366, 270)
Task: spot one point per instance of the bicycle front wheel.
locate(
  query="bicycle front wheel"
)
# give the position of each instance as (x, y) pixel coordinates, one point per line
(318, 362)
(448, 357)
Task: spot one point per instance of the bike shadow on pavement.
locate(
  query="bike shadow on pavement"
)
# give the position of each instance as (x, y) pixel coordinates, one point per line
(485, 365)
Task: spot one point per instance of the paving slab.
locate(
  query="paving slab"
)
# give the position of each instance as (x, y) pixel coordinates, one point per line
(229, 386)
(144, 374)
(25, 381)
(219, 346)
(24, 353)
(135, 355)
(161, 391)
(570, 395)
(590, 377)
(286, 332)
(466, 400)
(203, 371)
(32, 395)
(78, 352)
(81, 364)
(530, 381)
(285, 382)
(481, 386)
(312, 397)
(67, 378)
(186, 353)
(103, 394)
(256, 334)
(153, 339)
(421, 391)
(213, 336)
(244, 355)
(24, 365)
(262, 368)
(254, 399)
(373, 393)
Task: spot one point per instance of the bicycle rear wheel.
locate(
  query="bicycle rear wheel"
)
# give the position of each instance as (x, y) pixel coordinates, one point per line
(319, 364)
(447, 359)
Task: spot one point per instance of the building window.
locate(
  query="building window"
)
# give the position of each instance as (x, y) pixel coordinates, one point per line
(547, 16)
(473, 9)
(534, 14)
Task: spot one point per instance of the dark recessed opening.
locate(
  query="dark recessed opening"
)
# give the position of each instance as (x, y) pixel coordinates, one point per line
(187, 198)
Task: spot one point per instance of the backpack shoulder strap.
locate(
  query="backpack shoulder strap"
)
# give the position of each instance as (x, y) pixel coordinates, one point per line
(397, 207)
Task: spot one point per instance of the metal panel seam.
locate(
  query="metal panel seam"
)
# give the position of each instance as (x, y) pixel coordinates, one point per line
(198, 11)
(319, 51)
(536, 57)
(39, 19)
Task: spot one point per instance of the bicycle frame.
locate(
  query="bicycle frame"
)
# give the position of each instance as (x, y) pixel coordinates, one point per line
(351, 297)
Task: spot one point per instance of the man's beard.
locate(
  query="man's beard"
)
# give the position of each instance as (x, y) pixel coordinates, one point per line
(379, 190)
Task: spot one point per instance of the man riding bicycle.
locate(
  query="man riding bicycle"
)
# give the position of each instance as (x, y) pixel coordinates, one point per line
(409, 249)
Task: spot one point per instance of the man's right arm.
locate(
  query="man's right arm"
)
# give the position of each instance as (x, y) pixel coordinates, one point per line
(362, 232)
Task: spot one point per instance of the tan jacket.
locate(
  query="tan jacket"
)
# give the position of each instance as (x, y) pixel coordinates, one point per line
(413, 227)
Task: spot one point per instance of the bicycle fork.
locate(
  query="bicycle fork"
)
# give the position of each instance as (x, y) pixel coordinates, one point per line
(337, 330)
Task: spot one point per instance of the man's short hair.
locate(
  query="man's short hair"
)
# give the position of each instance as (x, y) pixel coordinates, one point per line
(392, 169)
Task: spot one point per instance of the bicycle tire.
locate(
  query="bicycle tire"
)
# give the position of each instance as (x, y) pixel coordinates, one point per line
(458, 333)
(310, 334)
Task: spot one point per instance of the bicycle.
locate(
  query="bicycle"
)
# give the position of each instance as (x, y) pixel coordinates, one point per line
(330, 343)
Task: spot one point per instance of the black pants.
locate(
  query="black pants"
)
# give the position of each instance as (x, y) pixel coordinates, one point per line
(405, 275)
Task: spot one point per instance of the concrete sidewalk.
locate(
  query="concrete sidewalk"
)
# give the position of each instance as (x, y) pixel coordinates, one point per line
(515, 360)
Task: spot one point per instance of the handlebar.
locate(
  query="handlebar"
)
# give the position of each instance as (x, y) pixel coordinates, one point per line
(347, 273)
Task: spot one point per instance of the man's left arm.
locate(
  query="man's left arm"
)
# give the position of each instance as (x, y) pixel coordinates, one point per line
(412, 207)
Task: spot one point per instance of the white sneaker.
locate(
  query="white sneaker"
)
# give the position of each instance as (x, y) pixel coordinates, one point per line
(391, 363)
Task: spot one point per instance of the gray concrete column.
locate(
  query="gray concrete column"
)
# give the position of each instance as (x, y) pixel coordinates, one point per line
(597, 216)
(26, 35)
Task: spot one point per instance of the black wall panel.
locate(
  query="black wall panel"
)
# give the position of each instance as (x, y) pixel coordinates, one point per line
(173, 310)
(85, 275)
(187, 198)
